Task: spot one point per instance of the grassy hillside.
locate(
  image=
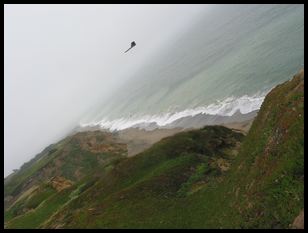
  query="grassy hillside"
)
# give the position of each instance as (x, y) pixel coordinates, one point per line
(208, 178)
(270, 167)
(81, 157)
(145, 190)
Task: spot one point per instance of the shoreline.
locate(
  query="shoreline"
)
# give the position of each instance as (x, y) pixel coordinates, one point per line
(141, 137)
(138, 140)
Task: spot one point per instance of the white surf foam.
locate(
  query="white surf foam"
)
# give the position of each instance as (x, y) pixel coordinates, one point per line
(226, 107)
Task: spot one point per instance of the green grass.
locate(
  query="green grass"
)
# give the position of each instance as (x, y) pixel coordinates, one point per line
(142, 188)
(16, 182)
(271, 178)
(34, 218)
(30, 202)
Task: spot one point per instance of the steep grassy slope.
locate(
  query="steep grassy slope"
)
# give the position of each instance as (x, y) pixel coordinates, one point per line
(74, 161)
(269, 172)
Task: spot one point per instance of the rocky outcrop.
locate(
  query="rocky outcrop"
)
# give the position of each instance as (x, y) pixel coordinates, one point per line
(59, 183)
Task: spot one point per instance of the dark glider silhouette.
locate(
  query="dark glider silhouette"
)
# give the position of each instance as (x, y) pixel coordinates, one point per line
(133, 44)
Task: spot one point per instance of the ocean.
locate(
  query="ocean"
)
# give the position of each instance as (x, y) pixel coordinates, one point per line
(227, 61)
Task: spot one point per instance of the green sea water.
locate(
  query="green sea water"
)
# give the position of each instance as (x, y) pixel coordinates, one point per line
(235, 51)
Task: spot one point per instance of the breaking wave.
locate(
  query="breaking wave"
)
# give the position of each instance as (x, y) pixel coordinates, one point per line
(226, 107)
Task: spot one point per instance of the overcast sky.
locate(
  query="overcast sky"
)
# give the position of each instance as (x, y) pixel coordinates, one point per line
(60, 60)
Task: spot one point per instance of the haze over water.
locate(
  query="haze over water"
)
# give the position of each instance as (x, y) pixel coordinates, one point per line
(225, 62)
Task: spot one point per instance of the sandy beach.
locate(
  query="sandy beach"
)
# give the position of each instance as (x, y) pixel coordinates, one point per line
(138, 140)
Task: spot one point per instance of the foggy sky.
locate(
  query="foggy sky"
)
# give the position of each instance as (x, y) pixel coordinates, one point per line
(61, 60)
